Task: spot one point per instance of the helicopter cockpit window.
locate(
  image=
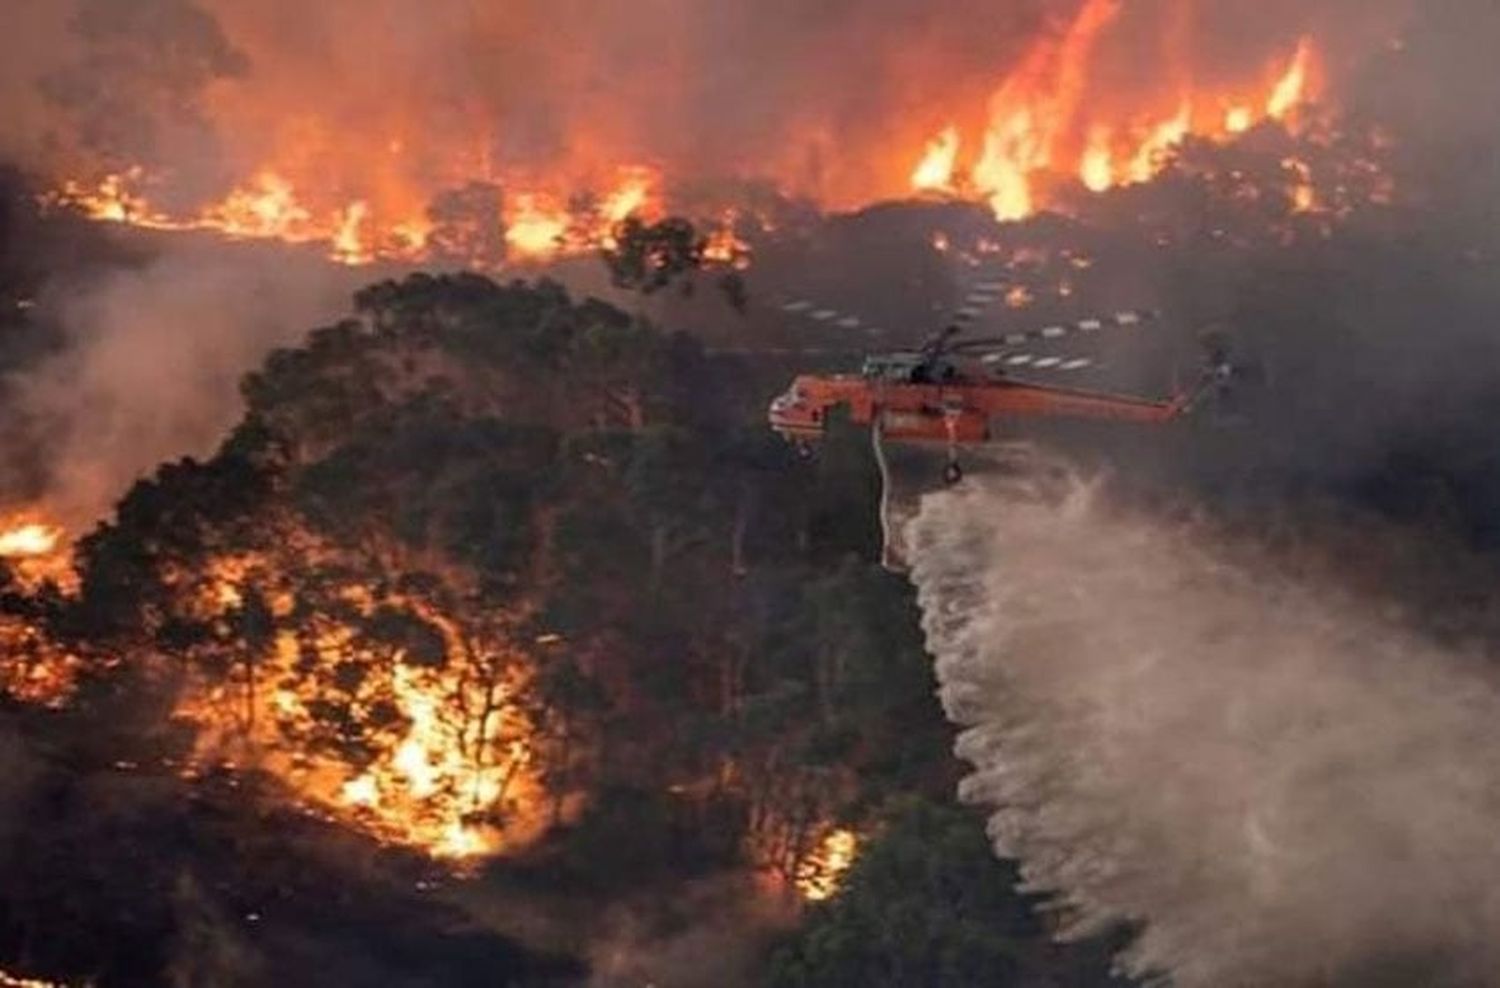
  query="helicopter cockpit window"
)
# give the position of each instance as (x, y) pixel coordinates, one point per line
(901, 368)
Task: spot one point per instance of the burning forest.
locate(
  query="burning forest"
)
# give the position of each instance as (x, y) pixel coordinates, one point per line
(177, 118)
(400, 583)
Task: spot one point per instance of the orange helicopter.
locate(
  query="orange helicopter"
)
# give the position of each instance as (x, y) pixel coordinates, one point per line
(951, 391)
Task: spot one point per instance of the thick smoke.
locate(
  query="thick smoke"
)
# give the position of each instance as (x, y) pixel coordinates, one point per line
(1280, 783)
(150, 367)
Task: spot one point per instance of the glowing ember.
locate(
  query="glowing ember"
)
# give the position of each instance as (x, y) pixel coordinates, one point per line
(32, 667)
(1304, 193)
(1019, 297)
(822, 873)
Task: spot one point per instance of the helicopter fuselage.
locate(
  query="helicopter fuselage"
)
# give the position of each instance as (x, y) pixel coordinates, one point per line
(956, 409)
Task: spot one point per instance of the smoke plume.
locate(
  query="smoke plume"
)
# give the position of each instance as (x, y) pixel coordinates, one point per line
(151, 362)
(1278, 782)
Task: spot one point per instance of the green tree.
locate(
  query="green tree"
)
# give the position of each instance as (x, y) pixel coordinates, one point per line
(927, 905)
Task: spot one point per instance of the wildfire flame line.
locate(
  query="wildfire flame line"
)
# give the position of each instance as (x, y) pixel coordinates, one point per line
(370, 197)
(537, 224)
(1037, 116)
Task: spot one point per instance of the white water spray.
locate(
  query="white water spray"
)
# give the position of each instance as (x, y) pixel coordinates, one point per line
(1280, 786)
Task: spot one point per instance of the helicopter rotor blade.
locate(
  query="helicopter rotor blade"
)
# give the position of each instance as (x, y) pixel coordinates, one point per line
(1126, 319)
(1005, 363)
(779, 352)
(981, 296)
(828, 316)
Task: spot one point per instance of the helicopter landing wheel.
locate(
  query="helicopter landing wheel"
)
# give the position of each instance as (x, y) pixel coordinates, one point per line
(952, 473)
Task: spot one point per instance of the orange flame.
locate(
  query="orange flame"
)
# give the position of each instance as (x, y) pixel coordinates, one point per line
(374, 194)
(724, 245)
(822, 872)
(33, 668)
(1097, 171)
(935, 171)
(1291, 89)
(540, 225)
(446, 763)
(1304, 193)
(1033, 110)
(29, 539)
(1159, 142)
(536, 230)
(1039, 125)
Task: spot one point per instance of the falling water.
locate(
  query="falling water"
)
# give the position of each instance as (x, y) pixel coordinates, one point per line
(1277, 784)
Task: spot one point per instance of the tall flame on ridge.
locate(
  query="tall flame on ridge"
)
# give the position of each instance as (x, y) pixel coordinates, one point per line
(935, 171)
(1291, 88)
(1057, 116)
(1041, 123)
(1034, 109)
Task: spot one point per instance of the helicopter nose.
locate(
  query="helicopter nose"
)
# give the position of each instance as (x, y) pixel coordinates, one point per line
(786, 403)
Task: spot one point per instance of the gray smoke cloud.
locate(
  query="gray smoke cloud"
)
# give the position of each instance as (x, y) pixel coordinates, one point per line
(151, 362)
(1281, 783)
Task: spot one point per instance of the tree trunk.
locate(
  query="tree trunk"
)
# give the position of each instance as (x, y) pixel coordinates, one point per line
(564, 758)
(742, 511)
